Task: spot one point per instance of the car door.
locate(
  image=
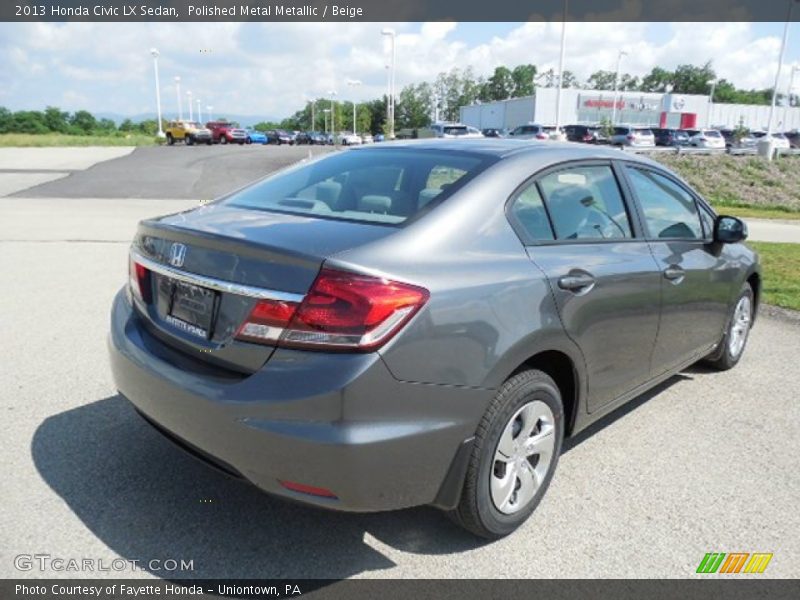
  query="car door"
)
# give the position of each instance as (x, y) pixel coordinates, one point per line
(579, 232)
(695, 280)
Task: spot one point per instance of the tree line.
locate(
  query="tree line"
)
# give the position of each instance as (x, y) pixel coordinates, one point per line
(418, 104)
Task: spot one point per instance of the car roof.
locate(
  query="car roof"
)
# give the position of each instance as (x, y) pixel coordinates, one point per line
(504, 148)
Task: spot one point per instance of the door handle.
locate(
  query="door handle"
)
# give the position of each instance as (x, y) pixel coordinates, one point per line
(674, 273)
(577, 282)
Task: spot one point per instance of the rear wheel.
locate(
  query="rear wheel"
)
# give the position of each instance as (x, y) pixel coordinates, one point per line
(736, 333)
(170, 139)
(514, 456)
(189, 140)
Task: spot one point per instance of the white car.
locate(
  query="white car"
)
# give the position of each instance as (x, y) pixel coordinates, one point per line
(453, 130)
(367, 138)
(346, 138)
(779, 141)
(711, 139)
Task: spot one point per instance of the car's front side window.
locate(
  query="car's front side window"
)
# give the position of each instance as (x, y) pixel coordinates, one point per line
(669, 211)
(585, 202)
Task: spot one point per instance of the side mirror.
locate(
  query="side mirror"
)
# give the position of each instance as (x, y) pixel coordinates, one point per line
(729, 230)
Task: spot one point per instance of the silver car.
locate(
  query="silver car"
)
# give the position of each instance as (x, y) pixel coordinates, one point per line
(637, 137)
(425, 322)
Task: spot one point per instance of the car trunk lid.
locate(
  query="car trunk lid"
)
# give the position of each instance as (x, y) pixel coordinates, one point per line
(202, 271)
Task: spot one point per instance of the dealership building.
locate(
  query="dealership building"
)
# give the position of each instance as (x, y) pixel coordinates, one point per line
(684, 111)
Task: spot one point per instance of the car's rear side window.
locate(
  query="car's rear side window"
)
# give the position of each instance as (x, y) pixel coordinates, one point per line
(585, 203)
(529, 212)
(371, 185)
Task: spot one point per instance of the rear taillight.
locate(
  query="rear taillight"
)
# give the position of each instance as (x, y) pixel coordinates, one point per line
(587, 138)
(630, 136)
(139, 281)
(342, 310)
(541, 136)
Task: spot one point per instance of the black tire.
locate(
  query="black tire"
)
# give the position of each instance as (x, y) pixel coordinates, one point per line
(249, 141)
(724, 358)
(170, 139)
(476, 511)
(209, 142)
(189, 140)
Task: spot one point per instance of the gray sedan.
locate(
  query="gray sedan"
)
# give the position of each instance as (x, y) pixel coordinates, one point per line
(425, 322)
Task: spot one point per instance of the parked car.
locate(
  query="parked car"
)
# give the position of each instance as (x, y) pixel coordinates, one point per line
(741, 140)
(307, 333)
(533, 131)
(225, 132)
(794, 138)
(779, 141)
(189, 132)
(378, 137)
(256, 137)
(279, 137)
(304, 137)
(587, 134)
(494, 132)
(706, 138)
(452, 130)
(347, 138)
(366, 138)
(636, 137)
(670, 137)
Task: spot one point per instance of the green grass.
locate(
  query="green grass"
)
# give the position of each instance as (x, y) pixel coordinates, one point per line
(781, 273)
(28, 140)
(754, 212)
(743, 186)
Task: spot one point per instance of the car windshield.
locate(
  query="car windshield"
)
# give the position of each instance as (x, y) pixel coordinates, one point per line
(379, 186)
(712, 133)
(455, 130)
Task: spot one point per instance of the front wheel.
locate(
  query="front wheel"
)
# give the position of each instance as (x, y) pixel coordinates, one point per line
(734, 339)
(189, 140)
(514, 456)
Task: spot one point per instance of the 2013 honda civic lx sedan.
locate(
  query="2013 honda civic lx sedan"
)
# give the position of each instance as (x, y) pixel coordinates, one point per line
(425, 322)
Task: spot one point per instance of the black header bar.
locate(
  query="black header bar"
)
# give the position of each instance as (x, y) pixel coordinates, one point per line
(402, 10)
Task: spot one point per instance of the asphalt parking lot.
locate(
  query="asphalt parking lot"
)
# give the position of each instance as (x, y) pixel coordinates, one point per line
(707, 462)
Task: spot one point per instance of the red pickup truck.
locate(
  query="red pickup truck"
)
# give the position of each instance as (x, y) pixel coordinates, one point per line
(224, 132)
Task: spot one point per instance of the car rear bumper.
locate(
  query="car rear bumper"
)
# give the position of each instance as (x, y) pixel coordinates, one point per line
(340, 422)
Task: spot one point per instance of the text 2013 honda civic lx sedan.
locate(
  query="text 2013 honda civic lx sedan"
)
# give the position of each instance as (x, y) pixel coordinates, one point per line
(425, 322)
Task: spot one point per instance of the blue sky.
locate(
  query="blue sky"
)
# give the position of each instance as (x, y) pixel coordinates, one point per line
(271, 69)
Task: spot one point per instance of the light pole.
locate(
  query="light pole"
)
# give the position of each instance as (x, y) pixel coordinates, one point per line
(765, 146)
(180, 100)
(616, 84)
(209, 108)
(795, 69)
(713, 84)
(313, 115)
(354, 83)
(199, 112)
(558, 134)
(332, 93)
(390, 108)
(191, 110)
(326, 111)
(154, 52)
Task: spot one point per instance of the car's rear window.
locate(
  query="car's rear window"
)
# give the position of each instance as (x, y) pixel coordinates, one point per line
(643, 131)
(372, 185)
(712, 133)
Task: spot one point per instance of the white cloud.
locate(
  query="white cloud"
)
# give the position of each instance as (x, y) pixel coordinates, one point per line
(271, 69)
